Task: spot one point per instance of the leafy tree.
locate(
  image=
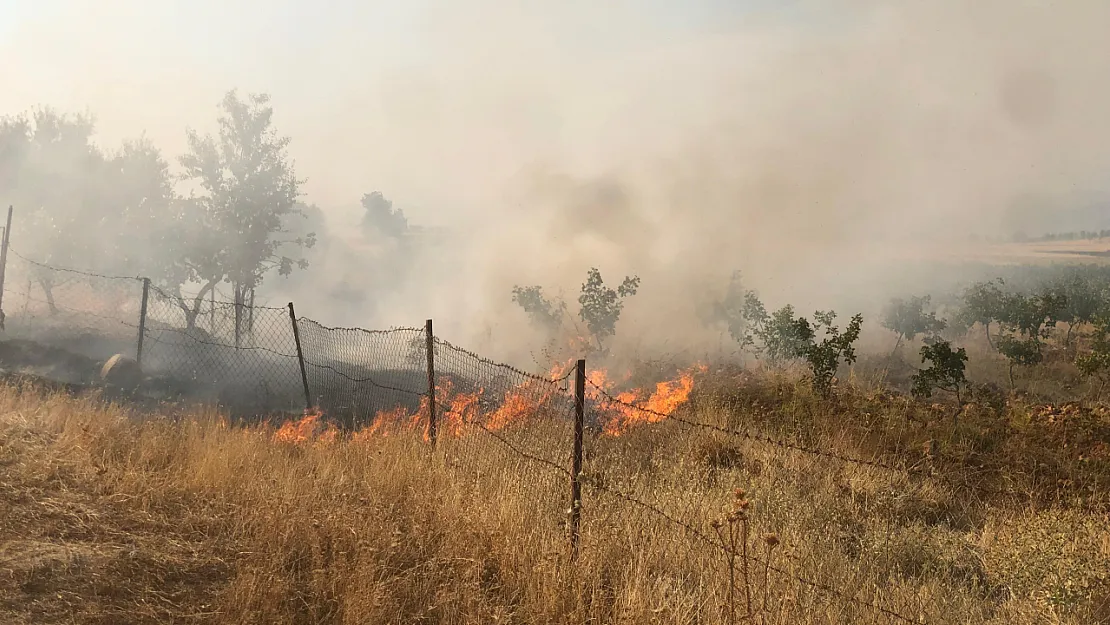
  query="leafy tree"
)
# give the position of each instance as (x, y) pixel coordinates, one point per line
(601, 306)
(1096, 362)
(51, 169)
(824, 357)
(1032, 315)
(945, 372)
(1020, 351)
(742, 312)
(381, 217)
(781, 337)
(984, 303)
(247, 190)
(907, 318)
(1083, 301)
(544, 313)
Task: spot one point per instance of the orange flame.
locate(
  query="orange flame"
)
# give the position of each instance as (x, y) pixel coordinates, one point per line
(306, 429)
(631, 408)
(622, 411)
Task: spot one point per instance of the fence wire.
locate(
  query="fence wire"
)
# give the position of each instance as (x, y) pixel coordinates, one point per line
(659, 480)
(63, 323)
(192, 347)
(497, 421)
(357, 377)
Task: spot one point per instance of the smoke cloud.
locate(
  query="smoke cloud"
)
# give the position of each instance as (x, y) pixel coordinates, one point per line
(830, 150)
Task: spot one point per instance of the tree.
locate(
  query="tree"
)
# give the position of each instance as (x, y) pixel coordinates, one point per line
(1020, 351)
(1083, 301)
(601, 306)
(381, 217)
(1096, 362)
(824, 357)
(544, 313)
(945, 372)
(1032, 315)
(908, 319)
(50, 167)
(983, 303)
(742, 313)
(781, 337)
(247, 190)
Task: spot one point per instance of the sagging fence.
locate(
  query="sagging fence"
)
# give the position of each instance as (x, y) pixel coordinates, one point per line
(559, 439)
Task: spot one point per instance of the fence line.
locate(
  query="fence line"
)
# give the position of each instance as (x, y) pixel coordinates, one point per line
(383, 378)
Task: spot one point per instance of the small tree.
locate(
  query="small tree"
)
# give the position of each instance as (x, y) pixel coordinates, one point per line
(1083, 300)
(781, 337)
(1032, 315)
(1096, 363)
(908, 319)
(983, 303)
(742, 312)
(1020, 351)
(382, 217)
(544, 313)
(601, 306)
(824, 357)
(945, 372)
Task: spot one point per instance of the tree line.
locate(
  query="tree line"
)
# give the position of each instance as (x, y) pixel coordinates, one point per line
(232, 212)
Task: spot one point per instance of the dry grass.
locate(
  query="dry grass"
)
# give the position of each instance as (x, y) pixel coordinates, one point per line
(111, 517)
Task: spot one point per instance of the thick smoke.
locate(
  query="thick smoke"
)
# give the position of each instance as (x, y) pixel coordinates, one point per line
(829, 150)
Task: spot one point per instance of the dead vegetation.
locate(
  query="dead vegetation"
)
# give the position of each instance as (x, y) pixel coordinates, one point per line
(112, 516)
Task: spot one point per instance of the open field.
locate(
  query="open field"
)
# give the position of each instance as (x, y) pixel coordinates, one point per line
(998, 253)
(111, 516)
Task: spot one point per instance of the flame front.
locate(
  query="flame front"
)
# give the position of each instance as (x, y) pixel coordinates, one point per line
(620, 412)
(309, 428)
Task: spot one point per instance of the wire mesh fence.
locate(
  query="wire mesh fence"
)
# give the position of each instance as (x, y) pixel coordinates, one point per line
(652, 474)
(494, 419)
(357, 376)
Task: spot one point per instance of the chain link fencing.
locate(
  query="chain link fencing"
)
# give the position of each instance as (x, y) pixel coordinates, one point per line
(652, 475)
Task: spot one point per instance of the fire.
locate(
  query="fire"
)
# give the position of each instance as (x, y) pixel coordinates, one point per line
(456, 410)
(309, 428)
(631, 408)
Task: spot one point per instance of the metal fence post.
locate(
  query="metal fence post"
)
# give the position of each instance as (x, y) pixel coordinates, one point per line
(4, 262)
(142, 324)
(300, 357)
(429, 338)
(576, 457)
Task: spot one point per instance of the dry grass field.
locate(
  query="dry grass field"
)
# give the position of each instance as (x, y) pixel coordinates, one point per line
(110, 516)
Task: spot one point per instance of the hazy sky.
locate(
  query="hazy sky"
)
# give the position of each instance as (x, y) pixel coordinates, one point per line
(347, 76)
(801, 141)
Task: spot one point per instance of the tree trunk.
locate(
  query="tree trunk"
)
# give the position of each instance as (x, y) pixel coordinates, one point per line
(1012, 386)
(250, 314)
(48, 290)
(987, 329)
(192, 309)
(897, 344)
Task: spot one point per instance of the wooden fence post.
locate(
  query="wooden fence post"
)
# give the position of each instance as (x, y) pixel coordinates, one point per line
(576, 457)
(300, 356)
(142, 325)
(429, 339)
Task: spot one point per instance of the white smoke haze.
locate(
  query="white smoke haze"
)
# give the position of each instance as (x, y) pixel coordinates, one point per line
(826, 149)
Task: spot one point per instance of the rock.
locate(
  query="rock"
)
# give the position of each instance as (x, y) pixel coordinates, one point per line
(122, 372)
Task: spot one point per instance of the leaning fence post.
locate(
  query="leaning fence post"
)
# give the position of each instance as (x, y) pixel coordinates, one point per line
(142, 325)
(576, 457)
(4, 262)
(429, 339)
(300, 357)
